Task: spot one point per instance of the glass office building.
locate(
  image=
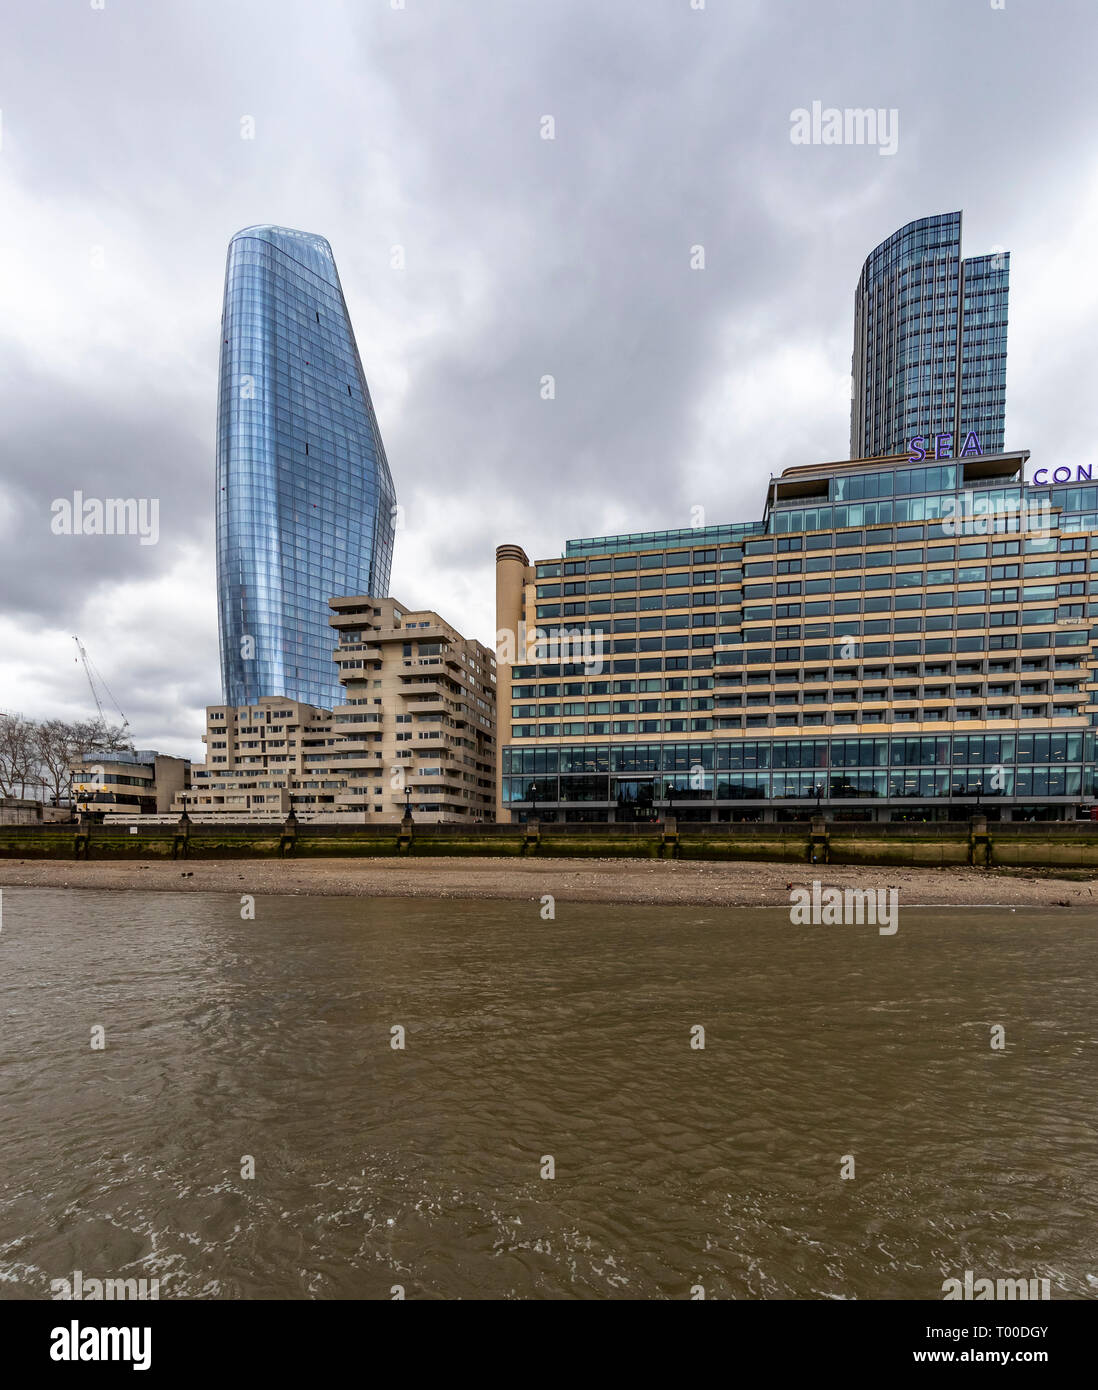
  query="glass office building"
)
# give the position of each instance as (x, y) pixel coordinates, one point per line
(930, 341)
(304, 495)
(892, 640)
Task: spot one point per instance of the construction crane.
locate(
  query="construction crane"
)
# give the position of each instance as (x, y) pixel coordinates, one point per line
(93, 676)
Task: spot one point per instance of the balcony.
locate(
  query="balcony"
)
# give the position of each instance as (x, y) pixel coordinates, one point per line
(420, 687)
(357, 649)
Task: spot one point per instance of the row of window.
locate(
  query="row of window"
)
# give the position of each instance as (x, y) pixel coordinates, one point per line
(756, 786)
(889, 482)
(855, 649)
(848, 645)
(674, 559)
(841, 676)
(702, 661)
(581, 709)
(933, 556)
(1002, 508)
(600, 728)
(753, 614)
(765, 613)
(1063, 747)
(904, 579)
(787, 544)
(899, 603)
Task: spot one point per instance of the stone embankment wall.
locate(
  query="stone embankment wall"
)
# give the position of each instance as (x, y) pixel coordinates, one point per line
(1048, 844)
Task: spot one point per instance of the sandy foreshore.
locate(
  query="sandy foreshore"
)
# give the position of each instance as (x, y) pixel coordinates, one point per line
(598, 881)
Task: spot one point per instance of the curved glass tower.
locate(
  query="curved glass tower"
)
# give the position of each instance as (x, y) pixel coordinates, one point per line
(304, 494)
(930, 341)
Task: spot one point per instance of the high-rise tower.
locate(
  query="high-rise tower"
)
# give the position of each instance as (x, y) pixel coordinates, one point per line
(930, 341)
(305, 499)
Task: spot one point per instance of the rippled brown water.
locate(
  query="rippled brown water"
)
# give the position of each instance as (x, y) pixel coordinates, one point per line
(674, 1166)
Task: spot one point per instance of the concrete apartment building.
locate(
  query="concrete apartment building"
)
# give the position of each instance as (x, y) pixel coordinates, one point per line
(422, 699)
(902, 638)
(137, 783)
(416, 731)
(263, 758)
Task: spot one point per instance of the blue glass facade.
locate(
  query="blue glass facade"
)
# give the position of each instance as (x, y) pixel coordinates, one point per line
(1034, 767)
(305, 499)
(930, 341)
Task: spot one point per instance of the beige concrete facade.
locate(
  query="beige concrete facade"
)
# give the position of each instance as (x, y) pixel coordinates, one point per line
(262, 758)
(417, 729)
(420, 712)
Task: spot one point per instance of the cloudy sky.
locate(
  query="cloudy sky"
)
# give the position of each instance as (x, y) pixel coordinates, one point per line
(377, 123)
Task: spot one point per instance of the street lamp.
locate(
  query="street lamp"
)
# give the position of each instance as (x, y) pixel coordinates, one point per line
(533, 795)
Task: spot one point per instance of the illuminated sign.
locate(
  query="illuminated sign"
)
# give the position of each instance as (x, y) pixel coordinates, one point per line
(943, 447)
(1081, 473)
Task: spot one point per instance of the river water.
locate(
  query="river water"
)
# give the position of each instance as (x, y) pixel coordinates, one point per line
(420, 1168)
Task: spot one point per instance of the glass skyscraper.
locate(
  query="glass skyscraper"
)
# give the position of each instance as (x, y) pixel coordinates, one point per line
(305, 499)
(930, 341)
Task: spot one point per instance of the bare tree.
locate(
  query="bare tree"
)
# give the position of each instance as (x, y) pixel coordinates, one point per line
(18, 769)
(58, 747)
(53, 752)
(96, 736)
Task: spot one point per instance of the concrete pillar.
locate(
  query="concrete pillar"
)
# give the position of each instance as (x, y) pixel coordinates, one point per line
(287, 840)
(979, 842)
(181, 837)
(819, 841)
(513, 573)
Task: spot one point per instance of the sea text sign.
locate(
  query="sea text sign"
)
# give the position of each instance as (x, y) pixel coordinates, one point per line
(943, 447)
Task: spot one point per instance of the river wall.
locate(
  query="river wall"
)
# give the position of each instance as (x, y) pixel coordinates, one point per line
(1038, 844)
